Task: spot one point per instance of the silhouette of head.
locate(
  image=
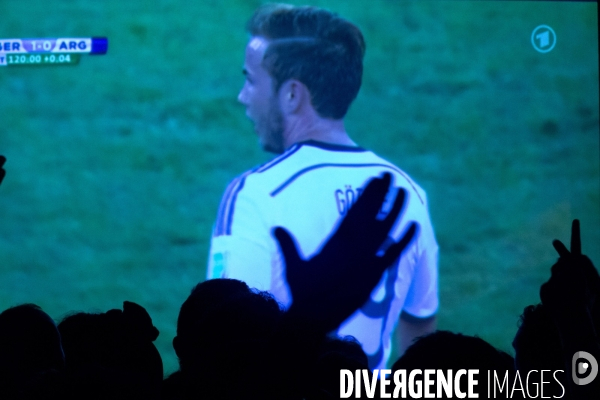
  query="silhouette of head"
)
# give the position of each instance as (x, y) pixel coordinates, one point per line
(29, 341)
(537, 342)
(335, 354)
(222, 331)
(220, 318)
(444, 350)
(116, 340)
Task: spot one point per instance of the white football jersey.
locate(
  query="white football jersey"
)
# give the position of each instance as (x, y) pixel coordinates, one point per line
(307, 190)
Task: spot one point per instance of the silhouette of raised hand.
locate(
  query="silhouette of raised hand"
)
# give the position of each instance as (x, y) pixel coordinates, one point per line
(333, 284)
(574, 282)
(570, 297)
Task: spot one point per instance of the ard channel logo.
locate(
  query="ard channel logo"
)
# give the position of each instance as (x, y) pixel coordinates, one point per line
(432, 384)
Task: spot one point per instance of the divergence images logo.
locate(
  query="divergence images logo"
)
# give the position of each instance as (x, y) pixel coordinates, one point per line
(581, 368)
(543, 39)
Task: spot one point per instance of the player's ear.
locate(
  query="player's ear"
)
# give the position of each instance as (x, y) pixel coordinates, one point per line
(292, 96)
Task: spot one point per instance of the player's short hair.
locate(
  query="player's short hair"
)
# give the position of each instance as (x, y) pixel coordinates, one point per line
(315, 46)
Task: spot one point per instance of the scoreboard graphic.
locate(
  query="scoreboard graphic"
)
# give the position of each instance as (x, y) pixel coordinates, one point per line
(49, 51)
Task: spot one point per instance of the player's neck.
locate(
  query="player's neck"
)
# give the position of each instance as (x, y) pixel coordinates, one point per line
(319, 129)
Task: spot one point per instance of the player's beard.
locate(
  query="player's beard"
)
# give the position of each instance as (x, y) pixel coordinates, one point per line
(271, 137)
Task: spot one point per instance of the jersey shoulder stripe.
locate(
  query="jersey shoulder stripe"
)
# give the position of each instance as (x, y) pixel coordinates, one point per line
(227, 206)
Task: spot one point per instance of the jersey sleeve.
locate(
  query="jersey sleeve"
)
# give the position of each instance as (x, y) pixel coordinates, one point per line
(422, 298)
(241, 245)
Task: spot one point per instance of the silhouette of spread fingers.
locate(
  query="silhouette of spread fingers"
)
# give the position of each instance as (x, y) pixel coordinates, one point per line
(575, 238)
(397, 248)
(369, 203)
(561, 248)
(396, 208)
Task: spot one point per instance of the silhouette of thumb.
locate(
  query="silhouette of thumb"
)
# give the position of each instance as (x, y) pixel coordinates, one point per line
(288, 248)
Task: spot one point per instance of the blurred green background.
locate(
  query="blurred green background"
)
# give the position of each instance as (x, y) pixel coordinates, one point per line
(116, 166)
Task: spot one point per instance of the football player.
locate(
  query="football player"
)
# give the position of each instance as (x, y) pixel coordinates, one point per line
(303, 68)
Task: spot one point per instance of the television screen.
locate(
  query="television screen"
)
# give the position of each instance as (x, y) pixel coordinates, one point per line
(116, 162)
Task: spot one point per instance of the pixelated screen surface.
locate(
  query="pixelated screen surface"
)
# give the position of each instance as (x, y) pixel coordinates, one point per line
(116, 163)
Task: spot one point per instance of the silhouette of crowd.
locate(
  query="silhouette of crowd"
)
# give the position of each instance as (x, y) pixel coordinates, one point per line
(235, 342)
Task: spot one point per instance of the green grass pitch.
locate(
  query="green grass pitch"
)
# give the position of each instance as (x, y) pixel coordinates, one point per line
(116, 166)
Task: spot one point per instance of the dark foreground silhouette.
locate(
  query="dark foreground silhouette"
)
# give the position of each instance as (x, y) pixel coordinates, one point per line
(236, 342)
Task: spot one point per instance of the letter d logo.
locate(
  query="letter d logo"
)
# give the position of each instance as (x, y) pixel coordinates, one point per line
(583, 367)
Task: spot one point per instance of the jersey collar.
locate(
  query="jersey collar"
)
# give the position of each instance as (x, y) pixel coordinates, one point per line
(330, 146)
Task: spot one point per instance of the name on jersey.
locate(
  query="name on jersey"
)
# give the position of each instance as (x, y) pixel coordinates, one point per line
(346, 197)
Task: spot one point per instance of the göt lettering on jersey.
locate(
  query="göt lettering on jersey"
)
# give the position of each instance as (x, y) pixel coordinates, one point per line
(347, 196)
